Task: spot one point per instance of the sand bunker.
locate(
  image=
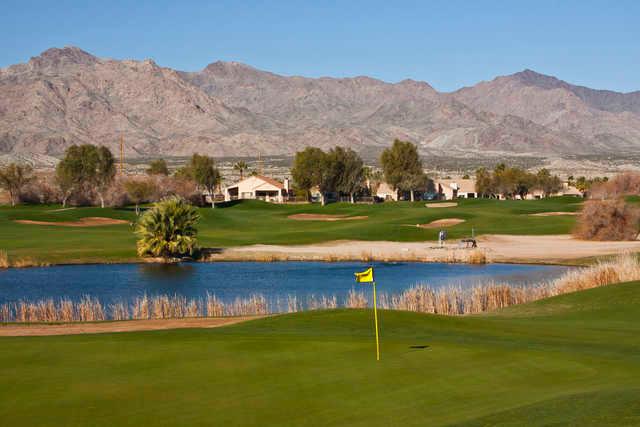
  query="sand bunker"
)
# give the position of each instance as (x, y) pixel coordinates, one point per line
(91, 221)
(34, 329)
(554, 213)
(441, 205)
(447, 222)
(323, 217)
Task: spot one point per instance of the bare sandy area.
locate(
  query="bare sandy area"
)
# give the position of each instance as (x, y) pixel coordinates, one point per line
(34, 329)
(61, 209)
(554, 213)
(441, 205)
(447, 222)
(324, 217)
(497, 248)
(91, 221)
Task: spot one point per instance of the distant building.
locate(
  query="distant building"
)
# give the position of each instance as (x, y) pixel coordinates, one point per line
(570, 190)
(449, 189)
(260, 188)
(387, 192)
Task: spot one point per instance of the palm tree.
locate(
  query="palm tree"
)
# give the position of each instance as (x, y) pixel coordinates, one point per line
(168, 229)
(241, 166)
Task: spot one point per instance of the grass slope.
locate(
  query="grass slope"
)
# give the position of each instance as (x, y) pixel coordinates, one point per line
(252, 222)
(569, 360)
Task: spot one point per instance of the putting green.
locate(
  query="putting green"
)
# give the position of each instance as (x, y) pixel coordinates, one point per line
(573, 359)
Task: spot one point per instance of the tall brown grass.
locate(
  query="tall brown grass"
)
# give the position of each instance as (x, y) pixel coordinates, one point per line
(452, 300)
(4, 259)
(7, 262)
(471, 256)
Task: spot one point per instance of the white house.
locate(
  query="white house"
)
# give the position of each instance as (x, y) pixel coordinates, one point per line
(258, 187)
(570, 190)
(449, 189)
(386, 192)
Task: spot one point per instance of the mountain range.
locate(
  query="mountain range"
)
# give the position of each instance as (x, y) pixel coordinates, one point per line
(68, 96)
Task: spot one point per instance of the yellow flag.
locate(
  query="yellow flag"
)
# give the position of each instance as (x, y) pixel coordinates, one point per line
(365, 276)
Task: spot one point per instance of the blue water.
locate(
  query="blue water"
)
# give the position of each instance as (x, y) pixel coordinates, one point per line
(229, 280)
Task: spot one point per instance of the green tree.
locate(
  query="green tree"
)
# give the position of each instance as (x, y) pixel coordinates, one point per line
(353, 175)
(241, 166)
(183, 173)
(307, 169)
(484, 183)
(139, 191)
(13, 178)
(158, 167)
(547, 183)
(343, 171)
(76, 170)
(206, 174)
(168, 230)
(105, 172)
(402, 167)
(85, 167)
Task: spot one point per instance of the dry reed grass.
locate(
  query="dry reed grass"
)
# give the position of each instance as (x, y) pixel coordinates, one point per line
(474, 256)
(453, 300)
(4, 259)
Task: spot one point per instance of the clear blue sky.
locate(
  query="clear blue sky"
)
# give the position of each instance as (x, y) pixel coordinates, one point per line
(446, 43)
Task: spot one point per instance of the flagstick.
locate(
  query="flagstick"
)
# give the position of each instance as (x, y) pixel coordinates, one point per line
(375, 315)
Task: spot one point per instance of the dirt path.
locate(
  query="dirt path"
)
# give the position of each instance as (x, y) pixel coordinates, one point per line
(34, 329)
(498, 248)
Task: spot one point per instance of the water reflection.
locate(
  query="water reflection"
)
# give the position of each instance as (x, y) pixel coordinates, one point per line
(230, 280)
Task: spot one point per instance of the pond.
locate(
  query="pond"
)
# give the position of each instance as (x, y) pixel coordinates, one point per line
(231, 280)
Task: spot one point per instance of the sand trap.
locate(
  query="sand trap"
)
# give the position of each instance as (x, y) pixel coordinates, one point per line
(323, 217)
(499, 248)
(554, 213)
(61, 209)
(34, 329)
(91, 221)
(441, 205)
(447, 222)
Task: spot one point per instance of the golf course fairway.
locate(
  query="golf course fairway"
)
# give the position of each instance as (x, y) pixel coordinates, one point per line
(567, 360)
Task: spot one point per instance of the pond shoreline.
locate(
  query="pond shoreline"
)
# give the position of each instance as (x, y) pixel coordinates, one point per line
(508, 249)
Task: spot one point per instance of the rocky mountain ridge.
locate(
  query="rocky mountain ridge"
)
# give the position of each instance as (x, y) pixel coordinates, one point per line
(66, 96)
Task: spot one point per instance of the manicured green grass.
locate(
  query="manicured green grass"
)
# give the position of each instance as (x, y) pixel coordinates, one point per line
(569, 360)
(253, 222)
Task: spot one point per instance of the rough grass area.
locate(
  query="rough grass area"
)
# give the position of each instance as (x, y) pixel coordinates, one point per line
(252, 222)
(572, 359)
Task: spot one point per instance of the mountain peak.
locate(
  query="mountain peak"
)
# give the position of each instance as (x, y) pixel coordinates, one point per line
(228, 67)
(533, 78)
(66, 55)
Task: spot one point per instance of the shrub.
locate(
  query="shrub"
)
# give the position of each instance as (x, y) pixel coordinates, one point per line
(608, 220)
(168, 229)
(40, 190)
(624, 184)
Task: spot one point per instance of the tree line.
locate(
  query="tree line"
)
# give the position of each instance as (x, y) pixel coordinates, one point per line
(87, 176)
(341, 171)
(514, 181)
